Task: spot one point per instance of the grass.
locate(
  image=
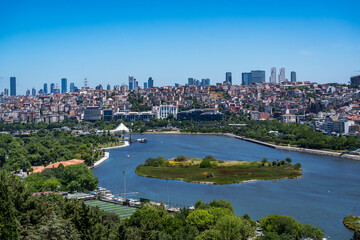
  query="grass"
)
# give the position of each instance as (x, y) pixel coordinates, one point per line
(122, 211)
(226, 172)
(352, 222)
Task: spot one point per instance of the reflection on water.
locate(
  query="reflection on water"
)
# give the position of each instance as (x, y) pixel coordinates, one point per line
(328, 190)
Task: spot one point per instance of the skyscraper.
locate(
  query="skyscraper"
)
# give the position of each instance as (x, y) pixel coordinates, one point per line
(63, 85)
(132, 83)
(52, 88)
(27, 93)
(257, 76)
(12, 86)
(108, 87)
(6, 92)
(282, 75)
(246, 79)
(228, 78)
(33, 91)
(45, 88)
(273, 75)
(145, 85)
(150, 82)
(293, 76)
(190, 81)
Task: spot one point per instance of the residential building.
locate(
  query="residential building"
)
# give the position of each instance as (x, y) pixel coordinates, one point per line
(273, 75)
(282, 75)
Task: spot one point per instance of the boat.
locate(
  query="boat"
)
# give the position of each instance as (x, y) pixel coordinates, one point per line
(141, 140)
(128, 156)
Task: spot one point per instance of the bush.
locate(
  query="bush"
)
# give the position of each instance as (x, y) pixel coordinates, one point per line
(210, 158)
(180, 159)
(210, 175)
(288, 160)
(205, 164)
(297, 166)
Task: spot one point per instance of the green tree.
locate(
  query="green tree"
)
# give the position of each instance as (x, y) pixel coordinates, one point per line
(281, 225)
(310, 231)
(232, 227)
(356, 236)
(8, 222)
(201, 219)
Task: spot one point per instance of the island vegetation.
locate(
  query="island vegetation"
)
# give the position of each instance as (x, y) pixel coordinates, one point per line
(211, 170)
(50, 216)
(352, 222)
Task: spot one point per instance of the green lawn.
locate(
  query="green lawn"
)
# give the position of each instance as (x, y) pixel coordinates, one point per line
(225, 173)
(122, 211)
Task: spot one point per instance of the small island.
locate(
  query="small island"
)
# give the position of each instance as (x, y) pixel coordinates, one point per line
(352, 222)
(212, 171)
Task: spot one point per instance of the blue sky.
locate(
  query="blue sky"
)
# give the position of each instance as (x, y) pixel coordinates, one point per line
(105, 41)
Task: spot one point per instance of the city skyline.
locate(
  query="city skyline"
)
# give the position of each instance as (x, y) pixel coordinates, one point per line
(43, 42)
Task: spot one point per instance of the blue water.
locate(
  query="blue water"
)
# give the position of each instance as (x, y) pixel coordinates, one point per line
(328, 191)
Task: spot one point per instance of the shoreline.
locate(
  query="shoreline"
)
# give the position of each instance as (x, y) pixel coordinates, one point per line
(278, 147)
(107, 154)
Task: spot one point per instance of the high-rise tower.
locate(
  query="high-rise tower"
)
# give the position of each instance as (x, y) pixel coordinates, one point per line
(293, 76)
(12, 86)
(282, 75)
(63, 85)
(273, 75)
(228, 78)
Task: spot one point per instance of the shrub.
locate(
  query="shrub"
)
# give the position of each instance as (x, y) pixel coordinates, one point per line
(297, 166)
(210, 175)
(205, 164)
(288, 160)
(210, 158)
(180, 159)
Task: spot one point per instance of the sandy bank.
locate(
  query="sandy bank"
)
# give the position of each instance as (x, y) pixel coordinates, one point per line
(106, 156)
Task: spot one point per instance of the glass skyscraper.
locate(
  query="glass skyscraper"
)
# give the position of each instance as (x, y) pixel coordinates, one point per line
(45, 88)
(257, 76)
(228, 78)
(63, 85)
(246, 79)
(150, 83)
(293, 76)
(12, 86)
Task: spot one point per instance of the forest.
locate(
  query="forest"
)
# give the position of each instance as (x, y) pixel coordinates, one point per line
(50, 216)
(44, 147)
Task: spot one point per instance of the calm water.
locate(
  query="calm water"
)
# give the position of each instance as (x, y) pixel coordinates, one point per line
(328, 191)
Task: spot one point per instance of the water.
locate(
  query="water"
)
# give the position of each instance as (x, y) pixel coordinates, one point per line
(328, 191)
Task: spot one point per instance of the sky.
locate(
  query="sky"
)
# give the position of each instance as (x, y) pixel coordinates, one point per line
(170, 41)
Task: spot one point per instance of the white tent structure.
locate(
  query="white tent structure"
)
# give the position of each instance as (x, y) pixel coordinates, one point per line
(120, 129)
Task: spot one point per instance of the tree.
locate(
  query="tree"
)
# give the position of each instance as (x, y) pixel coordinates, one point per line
(356, 236)
(288, 160)
(51, 184)
(281, 225)
(8, 222)
(201, 219)
(221, 204)
(310, 231)
(232, 227)
(205, 163)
